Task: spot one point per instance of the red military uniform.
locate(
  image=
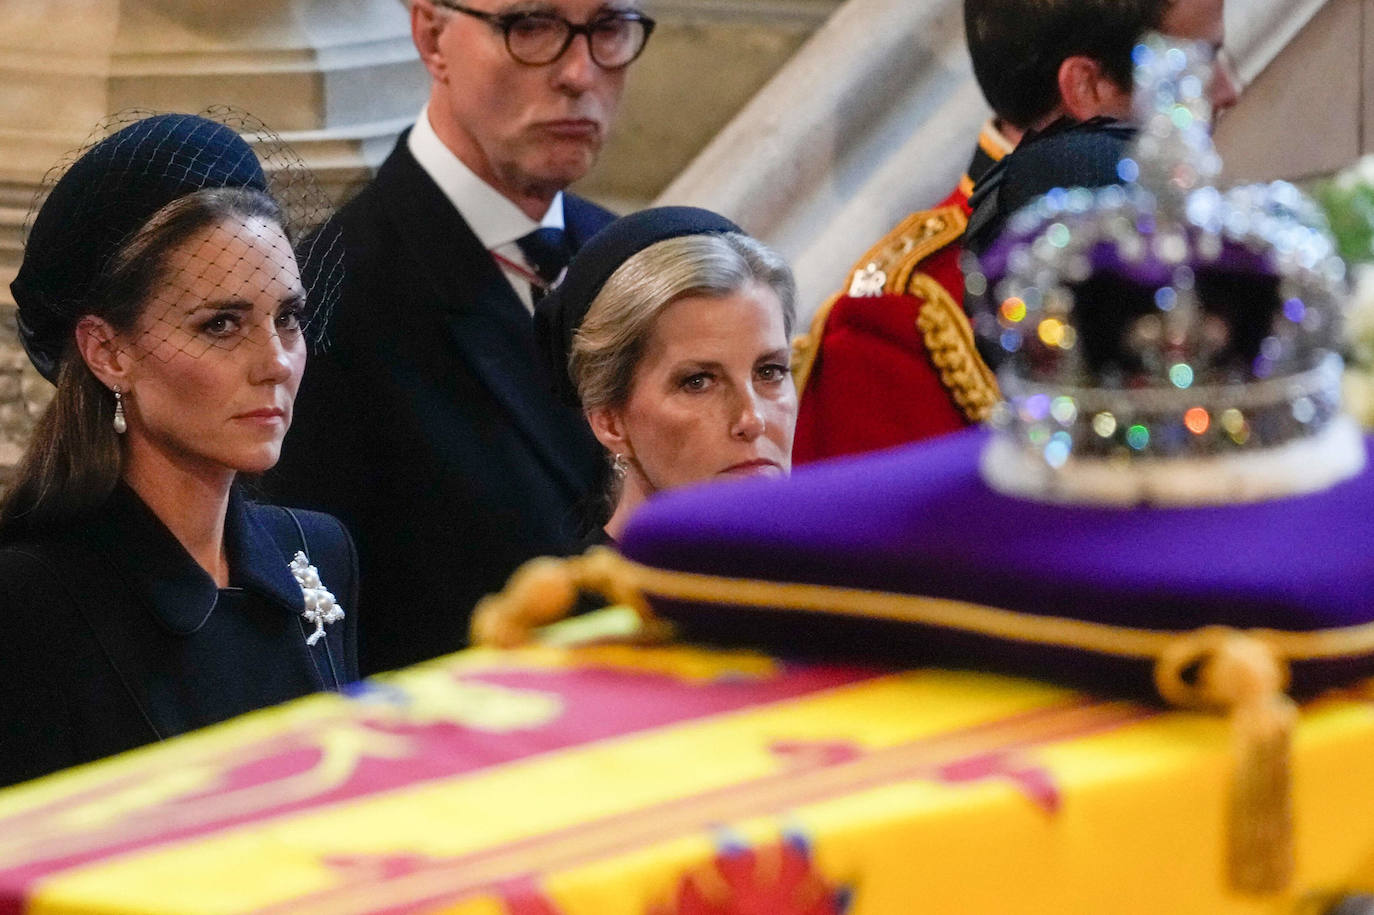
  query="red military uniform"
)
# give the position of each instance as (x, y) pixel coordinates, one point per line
(892, 359)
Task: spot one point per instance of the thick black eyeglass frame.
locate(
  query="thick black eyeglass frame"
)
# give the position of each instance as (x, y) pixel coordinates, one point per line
(505, 22)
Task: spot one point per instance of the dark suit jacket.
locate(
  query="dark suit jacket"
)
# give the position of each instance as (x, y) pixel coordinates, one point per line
(111, 636)
(428, 425)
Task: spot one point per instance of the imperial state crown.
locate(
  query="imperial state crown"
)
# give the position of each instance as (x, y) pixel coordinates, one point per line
(1164, 341)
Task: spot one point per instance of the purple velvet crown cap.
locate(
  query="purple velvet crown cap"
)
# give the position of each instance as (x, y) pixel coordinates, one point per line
(1146, 268)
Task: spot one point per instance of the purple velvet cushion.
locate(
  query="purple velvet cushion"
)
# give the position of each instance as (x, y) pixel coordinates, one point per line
(919, 520)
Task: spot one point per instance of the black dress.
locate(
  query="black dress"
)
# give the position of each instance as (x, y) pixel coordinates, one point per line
(113, 636)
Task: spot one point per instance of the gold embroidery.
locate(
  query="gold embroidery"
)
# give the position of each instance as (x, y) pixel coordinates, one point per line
(899, 253)
(949, 341)
(913, 240)
(868, 282)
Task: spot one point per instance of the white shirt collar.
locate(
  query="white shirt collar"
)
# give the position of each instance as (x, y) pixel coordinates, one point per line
(495, 220)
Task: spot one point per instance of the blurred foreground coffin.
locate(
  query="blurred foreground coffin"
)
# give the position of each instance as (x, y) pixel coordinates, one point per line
(651, 781)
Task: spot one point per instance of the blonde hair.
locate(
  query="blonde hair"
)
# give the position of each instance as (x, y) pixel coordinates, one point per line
(612, 337)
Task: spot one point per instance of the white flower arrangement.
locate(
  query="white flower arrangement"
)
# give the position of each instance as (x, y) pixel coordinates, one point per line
(1359, 331)
(1349, 202)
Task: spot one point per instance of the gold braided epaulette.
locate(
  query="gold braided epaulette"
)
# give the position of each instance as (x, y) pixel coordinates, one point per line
(886, 268)
(948, 336)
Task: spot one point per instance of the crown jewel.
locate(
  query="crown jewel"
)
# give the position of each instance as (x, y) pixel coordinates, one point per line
(1165, 341)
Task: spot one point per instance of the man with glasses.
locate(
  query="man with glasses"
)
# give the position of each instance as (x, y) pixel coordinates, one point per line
(427, 425)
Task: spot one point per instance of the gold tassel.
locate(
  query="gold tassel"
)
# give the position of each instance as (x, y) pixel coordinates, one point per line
(1242, 675)
(545, 590)
(539, 592)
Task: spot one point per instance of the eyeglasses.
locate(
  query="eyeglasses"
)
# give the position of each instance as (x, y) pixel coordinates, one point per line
(538, 38)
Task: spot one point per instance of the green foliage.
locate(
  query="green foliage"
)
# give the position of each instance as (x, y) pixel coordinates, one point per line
(1348, 200)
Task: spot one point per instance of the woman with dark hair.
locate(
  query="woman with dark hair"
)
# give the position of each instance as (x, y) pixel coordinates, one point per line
(141, 594)
(671, 330)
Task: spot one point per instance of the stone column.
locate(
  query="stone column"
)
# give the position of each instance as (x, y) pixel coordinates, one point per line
(338, 79)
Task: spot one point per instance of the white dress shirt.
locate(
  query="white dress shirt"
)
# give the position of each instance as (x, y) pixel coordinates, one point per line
(495, 220)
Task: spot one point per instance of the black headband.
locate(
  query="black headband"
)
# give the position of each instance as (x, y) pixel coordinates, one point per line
(559, 314)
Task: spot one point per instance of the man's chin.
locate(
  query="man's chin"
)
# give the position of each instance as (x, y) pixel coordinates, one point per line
(560, 165)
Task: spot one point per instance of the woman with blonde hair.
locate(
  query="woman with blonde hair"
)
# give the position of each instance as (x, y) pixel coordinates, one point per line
(671, 331)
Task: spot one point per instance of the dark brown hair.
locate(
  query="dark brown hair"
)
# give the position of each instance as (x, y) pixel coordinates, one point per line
(1018, 45)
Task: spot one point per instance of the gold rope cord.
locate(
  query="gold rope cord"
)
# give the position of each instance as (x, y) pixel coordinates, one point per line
(537, 590)
(1119, 641)
(977, 618)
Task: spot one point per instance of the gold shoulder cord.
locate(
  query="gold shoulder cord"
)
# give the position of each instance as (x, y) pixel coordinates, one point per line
(944, 327)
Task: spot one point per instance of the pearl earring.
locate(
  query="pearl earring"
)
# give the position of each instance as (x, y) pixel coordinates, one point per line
(120, 425)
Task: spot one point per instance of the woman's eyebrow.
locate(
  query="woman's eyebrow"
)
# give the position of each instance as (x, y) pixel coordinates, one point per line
(230, 304)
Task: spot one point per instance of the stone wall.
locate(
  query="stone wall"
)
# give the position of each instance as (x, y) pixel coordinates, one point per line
(339, 80)
(707, 59)
(1307, 112)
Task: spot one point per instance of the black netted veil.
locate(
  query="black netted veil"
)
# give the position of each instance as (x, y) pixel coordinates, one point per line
(95, 201)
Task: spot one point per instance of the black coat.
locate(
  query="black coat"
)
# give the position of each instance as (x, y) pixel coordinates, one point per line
(112, 636)
(428, 426)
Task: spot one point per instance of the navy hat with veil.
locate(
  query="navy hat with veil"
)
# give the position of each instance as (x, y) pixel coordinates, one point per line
(116, 184)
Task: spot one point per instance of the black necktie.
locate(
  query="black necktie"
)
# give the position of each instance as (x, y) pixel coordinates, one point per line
(546, 250)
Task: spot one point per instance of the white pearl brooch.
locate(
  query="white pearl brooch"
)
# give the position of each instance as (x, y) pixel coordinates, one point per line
(320, 607)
